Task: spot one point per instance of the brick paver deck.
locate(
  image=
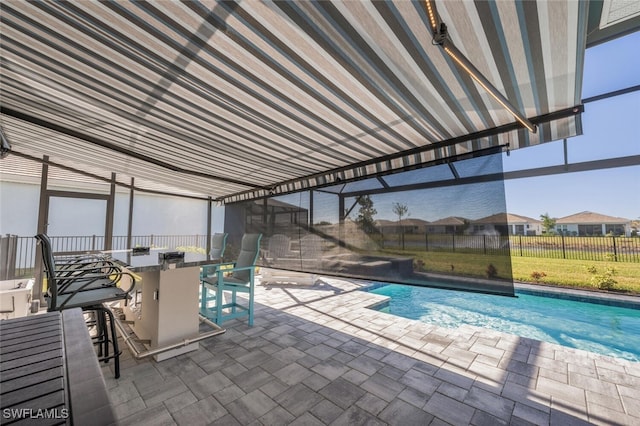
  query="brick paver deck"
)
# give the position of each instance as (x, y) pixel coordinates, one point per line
(316, 355)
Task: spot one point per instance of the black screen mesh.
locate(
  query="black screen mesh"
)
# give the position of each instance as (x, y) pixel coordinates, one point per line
(443, 226)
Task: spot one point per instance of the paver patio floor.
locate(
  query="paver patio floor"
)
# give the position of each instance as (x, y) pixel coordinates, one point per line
(316, 355)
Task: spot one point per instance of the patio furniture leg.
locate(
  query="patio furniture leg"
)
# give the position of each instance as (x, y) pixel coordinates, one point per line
(114, 336)
(102, 331)
(219, 302)
(251, 305)
(203, 297)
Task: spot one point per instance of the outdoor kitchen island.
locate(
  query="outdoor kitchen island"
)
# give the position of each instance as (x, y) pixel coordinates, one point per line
(162, 318)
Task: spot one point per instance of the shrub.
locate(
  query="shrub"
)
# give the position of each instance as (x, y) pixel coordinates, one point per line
(191, 249)
(491, 271)
(604, 280)
(537, 276)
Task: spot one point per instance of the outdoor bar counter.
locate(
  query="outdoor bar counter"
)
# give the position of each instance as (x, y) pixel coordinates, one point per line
(163, 319)
(49, 372)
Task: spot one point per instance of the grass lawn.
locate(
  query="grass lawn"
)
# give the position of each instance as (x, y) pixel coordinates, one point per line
(560, 272)
(574, 273)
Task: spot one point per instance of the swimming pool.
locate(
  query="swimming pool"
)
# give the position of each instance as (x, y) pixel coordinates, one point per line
(595, 327)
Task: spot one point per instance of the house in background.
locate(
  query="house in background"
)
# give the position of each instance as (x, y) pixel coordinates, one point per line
(386, 226)
(506, 224)
(409, 225)
(448, 225)
(523, 225)
(579, 224)
(592, 224)
(414, 226)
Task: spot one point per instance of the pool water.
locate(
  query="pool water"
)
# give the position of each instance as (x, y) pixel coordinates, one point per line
(599, 328)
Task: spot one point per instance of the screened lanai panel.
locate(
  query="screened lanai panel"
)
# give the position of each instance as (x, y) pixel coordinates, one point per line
(236, 99)
(417, 227)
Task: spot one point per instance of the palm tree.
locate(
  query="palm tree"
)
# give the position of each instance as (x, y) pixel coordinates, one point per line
(401, 210)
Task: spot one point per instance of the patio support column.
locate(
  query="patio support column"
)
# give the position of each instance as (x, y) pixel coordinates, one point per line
(310, 218)
(108, 227)
(43, 213)
(341, 240)
(130, 220)
(266, 218)
(209, 217)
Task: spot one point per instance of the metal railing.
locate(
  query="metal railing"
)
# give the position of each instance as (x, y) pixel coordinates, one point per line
(18, 254)
(611, 248)
(602, 248)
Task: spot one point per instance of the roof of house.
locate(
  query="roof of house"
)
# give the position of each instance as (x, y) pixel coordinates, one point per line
(414, 222)
(506, 218)
(448, 221)
(588, 217)
(405, 222)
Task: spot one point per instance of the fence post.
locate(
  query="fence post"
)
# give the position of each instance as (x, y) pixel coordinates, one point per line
(615, 249)
(484, 244)
(520, 243)
(8, 249)
(564, 255)
(93, 242)
(426, 242)
(453, 242)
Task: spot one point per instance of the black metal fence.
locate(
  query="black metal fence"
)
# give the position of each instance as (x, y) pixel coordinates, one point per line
(17, 254)
(92, 243)
(611, 248)
(605, 248)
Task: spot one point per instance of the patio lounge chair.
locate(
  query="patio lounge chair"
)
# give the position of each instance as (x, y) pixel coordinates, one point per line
(311, 251)
(279, 247)
(238, 278)
(308, 258)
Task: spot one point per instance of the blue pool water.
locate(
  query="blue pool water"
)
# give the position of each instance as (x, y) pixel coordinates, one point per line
(599, 328)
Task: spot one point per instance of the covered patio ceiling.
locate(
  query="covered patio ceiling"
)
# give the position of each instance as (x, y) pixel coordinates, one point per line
(236, 100)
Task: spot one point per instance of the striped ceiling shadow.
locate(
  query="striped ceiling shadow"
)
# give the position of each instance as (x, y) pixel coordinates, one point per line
(233, 100)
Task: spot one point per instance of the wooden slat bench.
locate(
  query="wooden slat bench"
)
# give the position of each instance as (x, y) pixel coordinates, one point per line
(49, 372)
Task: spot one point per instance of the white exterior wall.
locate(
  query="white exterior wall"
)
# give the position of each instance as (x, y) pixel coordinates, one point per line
(567, 228)
(19, 208)
(536, 227)
(528, 228)
(152, 214)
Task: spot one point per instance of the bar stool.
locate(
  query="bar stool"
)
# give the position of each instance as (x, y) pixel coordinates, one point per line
(87, 285)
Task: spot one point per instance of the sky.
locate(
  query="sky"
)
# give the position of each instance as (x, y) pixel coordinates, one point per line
(609, 130)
